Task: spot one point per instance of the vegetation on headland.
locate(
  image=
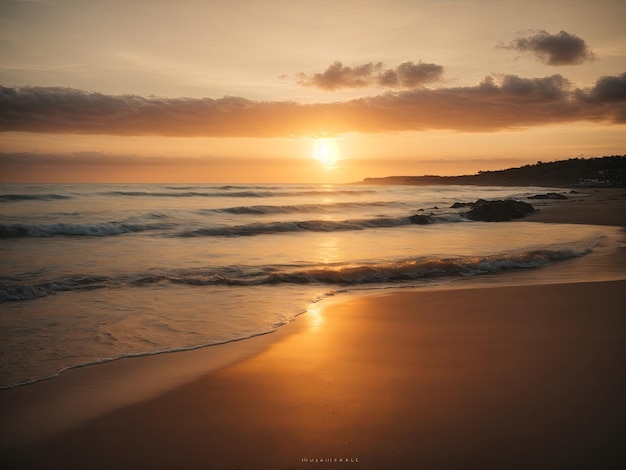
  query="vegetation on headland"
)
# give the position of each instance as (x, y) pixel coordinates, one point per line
(576, 172)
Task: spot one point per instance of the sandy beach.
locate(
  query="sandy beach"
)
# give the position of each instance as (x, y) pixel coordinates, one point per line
(584, 206)
(477, 377)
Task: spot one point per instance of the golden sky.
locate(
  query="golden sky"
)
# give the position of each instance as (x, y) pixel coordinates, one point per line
(315, 91)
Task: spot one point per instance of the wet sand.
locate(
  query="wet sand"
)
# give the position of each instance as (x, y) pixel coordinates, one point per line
(583, 206)
(512, 377)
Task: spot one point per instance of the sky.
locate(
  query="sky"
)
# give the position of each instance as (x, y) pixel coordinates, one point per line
(280, 91)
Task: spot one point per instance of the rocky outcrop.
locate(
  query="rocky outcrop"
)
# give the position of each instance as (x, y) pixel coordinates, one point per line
(548, 196)
(499, 211)
(483, 211)
(456, 205)
(420, 219)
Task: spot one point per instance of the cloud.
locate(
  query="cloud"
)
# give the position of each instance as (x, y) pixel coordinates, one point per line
(553, 49)
(504, 102)
(610, 89)
(406, 75)
(338, 76)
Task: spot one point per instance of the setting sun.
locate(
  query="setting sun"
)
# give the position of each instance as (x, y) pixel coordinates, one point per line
(326, 152)
(356, 202)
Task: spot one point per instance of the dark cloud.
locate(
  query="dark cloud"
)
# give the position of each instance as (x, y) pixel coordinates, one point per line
(63, 110)
(610, 89)
(554, 49)
(410, 75)
(507, 102)
(548, 88)
(609, 93)
(338, 76)
(406, 75)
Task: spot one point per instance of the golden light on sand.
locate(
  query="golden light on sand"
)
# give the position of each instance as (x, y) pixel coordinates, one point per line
(326, 151)
(315, 316)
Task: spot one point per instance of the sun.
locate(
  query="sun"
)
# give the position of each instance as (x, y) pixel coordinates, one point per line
(326, 151)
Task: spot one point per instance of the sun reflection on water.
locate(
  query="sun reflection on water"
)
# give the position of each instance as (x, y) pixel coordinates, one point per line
(329, 250)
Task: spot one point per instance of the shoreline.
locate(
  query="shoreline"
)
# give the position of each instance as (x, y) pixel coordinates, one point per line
(459, 381)
(67, 416)
(590, 206)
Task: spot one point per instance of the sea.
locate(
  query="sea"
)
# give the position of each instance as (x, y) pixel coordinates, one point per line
(94, 273)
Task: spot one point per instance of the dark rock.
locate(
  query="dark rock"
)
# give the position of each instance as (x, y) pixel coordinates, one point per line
(548, 196)
(456, 205)
(499, 211)
(420, 219)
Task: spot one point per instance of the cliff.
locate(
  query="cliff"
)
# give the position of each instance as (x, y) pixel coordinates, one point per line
(603, 171)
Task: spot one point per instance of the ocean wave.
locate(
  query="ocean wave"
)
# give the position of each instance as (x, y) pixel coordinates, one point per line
(189, 194)
(9, 292)
(107, 229)
(289, 209)
(421, 268)
(32, 197)
(230, 187)
(327, 192)
(226, 191)
(339, 275)
(260, 228)
(69, 229)
(301, 226)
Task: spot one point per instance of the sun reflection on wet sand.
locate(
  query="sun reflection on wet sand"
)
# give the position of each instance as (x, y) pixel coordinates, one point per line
(316, 317)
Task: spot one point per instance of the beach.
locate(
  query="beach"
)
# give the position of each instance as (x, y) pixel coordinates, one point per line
(521, 373)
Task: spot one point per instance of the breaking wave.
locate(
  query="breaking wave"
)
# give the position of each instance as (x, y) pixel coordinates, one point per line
(227, 192)
(302, 226)
(312, 226)
(189, 194)
(107, 229)
(338, 275)
(289, 209)
(69, 229)
(32, 197)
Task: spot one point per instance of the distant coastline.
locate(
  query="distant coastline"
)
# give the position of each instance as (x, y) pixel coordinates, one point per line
(605, 172)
